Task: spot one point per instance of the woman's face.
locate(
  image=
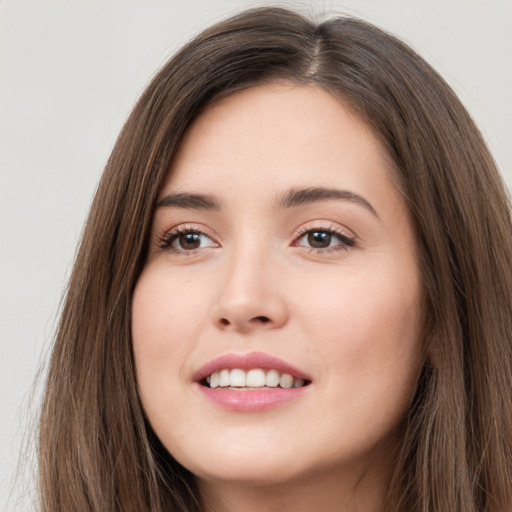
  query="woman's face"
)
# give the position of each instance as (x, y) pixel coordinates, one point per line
(281, 255)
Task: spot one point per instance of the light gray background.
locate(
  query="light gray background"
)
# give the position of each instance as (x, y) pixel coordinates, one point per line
(71, 70)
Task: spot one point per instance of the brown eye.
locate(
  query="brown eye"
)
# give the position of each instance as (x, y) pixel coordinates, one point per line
(319, 239)
(185, 240)
(188, 241)
(326, 239)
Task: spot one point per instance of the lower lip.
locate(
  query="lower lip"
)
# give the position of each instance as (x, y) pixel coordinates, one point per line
(250, 399)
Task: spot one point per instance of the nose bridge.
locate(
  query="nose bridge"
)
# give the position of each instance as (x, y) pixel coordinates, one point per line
(250, 296)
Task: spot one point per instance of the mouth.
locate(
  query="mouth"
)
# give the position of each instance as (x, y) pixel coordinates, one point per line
(252, 379)
(250, 382)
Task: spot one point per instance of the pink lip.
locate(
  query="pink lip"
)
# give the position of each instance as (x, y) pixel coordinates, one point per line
(247, 362)
(249, 399)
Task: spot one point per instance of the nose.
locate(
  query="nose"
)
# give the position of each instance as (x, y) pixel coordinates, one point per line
(251, 295)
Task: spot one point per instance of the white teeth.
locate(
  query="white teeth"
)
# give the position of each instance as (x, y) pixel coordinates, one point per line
(254, 378)
(237, 378)
(272, 379)
(286, 381)
(214, 380)
(224, 379)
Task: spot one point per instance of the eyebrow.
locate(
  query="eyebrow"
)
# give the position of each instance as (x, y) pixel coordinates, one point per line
(189, 201)
(292, 198)
(298, 197)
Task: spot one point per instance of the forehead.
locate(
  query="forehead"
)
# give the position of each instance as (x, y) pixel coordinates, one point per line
(269, 138)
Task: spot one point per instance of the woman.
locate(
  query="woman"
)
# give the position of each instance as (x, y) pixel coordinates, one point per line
(293, 290)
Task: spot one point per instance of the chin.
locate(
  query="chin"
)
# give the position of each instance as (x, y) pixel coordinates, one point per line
(250, 474)
(249, 465)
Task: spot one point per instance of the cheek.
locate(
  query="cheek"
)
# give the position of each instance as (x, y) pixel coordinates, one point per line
(165, 326)
(367, 327)
(165, 314)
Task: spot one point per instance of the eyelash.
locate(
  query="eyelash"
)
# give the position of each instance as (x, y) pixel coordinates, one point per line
(166, 239)
(345, 241)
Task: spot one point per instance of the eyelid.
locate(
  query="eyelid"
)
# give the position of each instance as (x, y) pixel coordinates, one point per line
(347, 238)
(166, 238)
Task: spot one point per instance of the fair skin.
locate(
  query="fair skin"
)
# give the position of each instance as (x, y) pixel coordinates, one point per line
(326, 282)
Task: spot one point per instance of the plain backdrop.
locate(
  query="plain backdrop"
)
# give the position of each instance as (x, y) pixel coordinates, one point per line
(71, 70)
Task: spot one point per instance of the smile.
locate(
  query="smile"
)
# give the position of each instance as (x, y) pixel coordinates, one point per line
(250, 382)
(255, 378)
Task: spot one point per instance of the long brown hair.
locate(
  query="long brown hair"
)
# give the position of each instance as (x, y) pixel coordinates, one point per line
(96, 450)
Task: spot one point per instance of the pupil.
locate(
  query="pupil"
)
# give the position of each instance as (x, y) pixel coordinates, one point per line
(319, 239)
(190, 241)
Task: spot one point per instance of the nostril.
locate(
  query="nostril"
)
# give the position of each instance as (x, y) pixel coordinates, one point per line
(262, 319)
(235, 322)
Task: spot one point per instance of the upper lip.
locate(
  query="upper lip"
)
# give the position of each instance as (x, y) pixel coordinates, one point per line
(248, 362)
